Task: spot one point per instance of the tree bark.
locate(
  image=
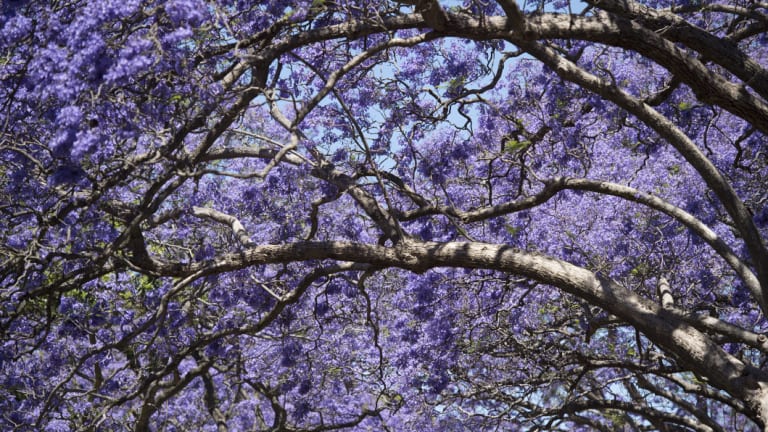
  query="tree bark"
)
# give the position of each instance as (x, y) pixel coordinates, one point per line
(667, 329)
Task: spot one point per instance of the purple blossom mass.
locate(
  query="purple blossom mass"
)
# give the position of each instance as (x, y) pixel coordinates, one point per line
(383, 215)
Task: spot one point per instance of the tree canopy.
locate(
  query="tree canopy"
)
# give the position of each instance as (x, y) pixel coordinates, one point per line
(383, 215)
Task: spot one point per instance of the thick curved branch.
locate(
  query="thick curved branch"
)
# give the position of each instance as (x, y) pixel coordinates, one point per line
(553, 186)
(514, 15)
(729, 331)
(687, 219)
(604, 28)
(742, 218)
(616, 31)
(549, 190)
(670, 26)
(692, 348)
(434, 15)
(249, 152)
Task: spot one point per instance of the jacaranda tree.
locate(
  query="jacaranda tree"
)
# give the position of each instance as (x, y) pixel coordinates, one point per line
(383, 215)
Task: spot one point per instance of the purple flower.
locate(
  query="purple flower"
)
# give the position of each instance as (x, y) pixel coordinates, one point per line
(192, 12)
(340, 155)
(134, 58)
(289, 354)
(84, 144)
(178, 35)
(61, 145)
(16, 28)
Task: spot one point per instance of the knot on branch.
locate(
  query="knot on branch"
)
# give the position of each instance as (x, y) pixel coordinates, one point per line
(434, 15)
(409, 259)
(515, 17)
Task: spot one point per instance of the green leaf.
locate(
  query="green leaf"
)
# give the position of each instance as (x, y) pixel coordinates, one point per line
(511, 230)
(514, 146)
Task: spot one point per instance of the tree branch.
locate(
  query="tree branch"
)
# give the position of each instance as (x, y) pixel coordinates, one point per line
(555, 185)
(742, 218)
(515, 17)
(237, 228)
(690, 347)
(670, 26)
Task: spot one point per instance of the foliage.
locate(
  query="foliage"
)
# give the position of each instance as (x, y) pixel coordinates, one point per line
(383, 215)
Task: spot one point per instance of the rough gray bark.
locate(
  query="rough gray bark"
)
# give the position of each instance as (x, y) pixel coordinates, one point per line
(626, 25)
(666, 328)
